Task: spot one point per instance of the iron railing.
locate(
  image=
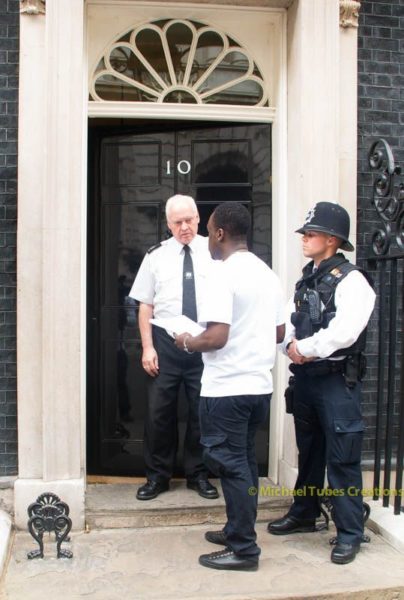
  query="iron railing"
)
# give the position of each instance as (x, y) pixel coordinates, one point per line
(386, 258)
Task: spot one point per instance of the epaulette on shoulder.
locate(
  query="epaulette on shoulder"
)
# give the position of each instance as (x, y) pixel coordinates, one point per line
(342, 270)
(338, 273)
(150, 250)
(333, 277)
(347, 268)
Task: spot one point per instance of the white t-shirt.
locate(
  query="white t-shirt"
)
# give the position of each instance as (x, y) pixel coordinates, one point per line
(246, 294)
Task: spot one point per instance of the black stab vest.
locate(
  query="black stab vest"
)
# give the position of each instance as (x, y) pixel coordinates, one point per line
(324, 281)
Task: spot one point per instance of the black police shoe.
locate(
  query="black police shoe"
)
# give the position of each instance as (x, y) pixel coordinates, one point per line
(151, 489)
(343, 554)
(216, 537)
(227, 560)
(289, 524)
(204, 488)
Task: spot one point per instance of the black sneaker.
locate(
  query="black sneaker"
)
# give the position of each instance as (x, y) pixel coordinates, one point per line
(227, 560)
(216, 537)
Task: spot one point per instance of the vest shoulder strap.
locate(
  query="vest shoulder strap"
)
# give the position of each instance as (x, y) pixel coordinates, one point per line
(337, 274)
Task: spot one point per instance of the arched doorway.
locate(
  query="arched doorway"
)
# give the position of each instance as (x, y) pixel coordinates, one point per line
(135, 165)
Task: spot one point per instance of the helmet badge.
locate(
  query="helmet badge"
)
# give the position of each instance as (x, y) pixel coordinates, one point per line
(310, 215)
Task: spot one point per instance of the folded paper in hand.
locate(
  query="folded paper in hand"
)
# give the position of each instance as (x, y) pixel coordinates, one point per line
(177, 325)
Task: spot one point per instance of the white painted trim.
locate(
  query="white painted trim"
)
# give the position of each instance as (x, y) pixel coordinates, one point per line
(5, 538)
(280, 257)
(278, 5)
(52, 185)
(248, 114)
(83, 253)
(175, 83)
(122, 21)
(151, 110)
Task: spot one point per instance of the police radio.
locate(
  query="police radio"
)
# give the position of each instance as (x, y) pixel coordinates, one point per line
(314, 301)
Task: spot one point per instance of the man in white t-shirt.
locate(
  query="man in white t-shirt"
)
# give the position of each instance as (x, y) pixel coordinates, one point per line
(243, 311)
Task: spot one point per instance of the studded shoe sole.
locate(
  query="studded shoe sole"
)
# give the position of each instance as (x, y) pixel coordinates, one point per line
(226, 560)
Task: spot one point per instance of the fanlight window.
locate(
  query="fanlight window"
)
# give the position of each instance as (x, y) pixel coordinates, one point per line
(178, 61)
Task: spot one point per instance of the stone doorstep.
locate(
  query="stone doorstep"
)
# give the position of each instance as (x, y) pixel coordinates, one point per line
(115, 506)
(161, 563)
(293, 569)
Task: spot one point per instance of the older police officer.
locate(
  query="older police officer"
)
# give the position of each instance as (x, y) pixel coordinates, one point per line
(325, 339)
(169, 283)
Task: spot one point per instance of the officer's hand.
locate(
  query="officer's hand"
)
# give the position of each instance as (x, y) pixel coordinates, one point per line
(150, 362)
(294, 354)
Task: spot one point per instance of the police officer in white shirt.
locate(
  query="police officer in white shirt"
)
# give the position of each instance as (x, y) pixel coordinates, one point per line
(244, 312)
(169, 283)
(325, 339)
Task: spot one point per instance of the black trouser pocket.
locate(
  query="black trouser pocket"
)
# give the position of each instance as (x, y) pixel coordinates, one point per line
(216, 454)
(347, 443)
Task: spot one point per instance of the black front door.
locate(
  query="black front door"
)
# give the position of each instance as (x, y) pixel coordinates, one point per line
(131, 176)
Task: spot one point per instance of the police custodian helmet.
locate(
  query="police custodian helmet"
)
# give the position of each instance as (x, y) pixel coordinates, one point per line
(331, 218)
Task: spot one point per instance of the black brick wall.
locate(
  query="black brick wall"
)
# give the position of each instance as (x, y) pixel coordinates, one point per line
(9, 43)
(380, 114)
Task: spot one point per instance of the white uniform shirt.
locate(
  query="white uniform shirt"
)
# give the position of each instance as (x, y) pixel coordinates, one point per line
(246, 294)
(354, 303)
(159, 279)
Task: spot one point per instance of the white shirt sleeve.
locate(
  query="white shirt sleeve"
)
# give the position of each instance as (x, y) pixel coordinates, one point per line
(143, 288)
(354, 303)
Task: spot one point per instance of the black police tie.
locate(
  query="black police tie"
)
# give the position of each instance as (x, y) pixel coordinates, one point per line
(188, 286)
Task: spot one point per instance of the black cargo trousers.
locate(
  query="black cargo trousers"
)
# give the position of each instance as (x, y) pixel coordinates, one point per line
(329, 431)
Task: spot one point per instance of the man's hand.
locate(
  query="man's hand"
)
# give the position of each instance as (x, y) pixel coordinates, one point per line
(295, 355)
(179, 340)
(150, 362)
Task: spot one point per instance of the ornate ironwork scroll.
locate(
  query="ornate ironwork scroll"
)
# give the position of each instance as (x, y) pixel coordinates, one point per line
(386, 258)
(49, 514)
(327, 511)
(388, 200)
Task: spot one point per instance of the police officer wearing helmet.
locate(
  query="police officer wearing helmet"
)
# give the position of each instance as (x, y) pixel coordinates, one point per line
(325, 338)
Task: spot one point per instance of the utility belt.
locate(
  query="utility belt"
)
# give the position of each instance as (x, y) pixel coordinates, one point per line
(352, 367)
(319, 367)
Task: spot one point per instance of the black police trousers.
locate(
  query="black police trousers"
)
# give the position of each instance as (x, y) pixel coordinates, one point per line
(161, 433)
(329, 431)
(228, 428)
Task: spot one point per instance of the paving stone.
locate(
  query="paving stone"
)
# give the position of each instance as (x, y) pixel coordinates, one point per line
(162, 564)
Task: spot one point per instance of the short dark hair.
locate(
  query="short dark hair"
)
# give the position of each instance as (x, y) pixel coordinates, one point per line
(233, 218)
